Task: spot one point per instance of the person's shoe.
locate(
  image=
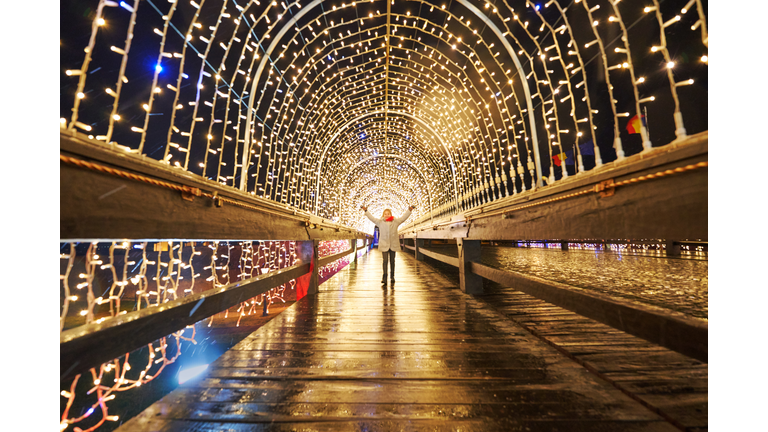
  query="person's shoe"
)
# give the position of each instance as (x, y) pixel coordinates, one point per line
(392, 280)
(384, 279)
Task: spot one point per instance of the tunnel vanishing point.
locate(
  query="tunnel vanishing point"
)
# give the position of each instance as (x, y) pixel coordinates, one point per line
(198, 124)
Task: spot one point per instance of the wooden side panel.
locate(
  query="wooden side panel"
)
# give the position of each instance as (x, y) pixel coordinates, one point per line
(101, 206)
(672, 206)
(667, 208)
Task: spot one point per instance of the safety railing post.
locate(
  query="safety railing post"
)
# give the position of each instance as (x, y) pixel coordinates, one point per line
(673, 248)
(418, 244)
(314, 281)
(469, 251)
(354, 251)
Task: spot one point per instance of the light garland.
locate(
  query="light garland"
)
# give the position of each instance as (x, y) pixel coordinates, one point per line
(160, 272)
(282, 99)
(94, 286)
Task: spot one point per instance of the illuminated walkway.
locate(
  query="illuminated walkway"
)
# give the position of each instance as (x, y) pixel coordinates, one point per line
(419, 355)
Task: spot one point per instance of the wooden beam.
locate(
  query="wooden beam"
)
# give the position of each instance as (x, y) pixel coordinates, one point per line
(667, 207)
(90, 345)
(447, 259)
(106, 204)
(331, 258)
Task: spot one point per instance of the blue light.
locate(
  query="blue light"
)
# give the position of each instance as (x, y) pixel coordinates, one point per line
(538, 6)
(158, 68)
(190, 373)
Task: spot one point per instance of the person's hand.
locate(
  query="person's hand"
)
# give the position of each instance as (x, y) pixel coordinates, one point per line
(364, 208)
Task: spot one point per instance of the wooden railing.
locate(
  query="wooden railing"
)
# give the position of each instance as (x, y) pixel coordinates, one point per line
(687, 336)
(90, 345)
(109, 194)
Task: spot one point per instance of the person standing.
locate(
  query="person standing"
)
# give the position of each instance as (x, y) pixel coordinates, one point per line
(389, 242)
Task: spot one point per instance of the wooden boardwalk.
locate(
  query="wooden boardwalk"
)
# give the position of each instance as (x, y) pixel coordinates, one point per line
(419, 355)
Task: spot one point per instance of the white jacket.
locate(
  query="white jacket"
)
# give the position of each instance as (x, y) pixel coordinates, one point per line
(388, 238)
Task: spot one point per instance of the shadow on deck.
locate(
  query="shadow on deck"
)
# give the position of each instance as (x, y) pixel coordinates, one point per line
(422, 355)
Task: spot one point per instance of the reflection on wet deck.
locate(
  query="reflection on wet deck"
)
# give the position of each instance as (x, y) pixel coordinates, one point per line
(419, 355)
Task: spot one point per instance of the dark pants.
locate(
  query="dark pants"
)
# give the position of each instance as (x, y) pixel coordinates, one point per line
(391, 260)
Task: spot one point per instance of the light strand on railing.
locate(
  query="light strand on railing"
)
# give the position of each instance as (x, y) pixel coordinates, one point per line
(121, 267)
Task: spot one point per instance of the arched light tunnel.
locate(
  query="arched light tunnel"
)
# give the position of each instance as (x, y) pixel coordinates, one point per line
(325, 106)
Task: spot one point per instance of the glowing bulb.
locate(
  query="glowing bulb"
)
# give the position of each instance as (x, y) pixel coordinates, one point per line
(704, 58)
(80, 95)
(670, 65)
(116, 117)
(101, 21)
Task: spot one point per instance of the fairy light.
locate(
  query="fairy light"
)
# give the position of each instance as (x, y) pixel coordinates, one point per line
(136, 262)
(322, 113)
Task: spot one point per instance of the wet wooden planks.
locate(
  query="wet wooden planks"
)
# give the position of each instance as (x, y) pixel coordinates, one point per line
(670, 383)
(419, 355)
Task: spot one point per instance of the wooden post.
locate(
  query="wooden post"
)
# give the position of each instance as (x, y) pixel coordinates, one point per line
(418, 243)
(308, 253)
(469, 251)
(354, 248)
(314, 282)
(673, 248)
(564, 245)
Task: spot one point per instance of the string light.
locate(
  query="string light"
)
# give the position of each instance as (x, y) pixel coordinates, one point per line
(164, 271)
(325, 109)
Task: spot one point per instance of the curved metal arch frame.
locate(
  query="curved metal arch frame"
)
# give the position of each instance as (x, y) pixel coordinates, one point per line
(304, 10)
(394, 156)
(370, 113)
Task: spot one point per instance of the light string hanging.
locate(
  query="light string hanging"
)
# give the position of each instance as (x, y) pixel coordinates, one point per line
(288, 95)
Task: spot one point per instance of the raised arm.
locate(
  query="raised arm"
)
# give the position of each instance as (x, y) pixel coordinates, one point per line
(373, 218)
(405, 215)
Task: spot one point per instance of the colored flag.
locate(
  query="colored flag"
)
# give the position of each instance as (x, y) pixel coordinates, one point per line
(587, 148)
(560, 158)
(633, 126)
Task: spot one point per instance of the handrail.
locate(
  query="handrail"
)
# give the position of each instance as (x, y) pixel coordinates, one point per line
(112, 164)
(693, 147)
(331, 258)
(447, 259)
